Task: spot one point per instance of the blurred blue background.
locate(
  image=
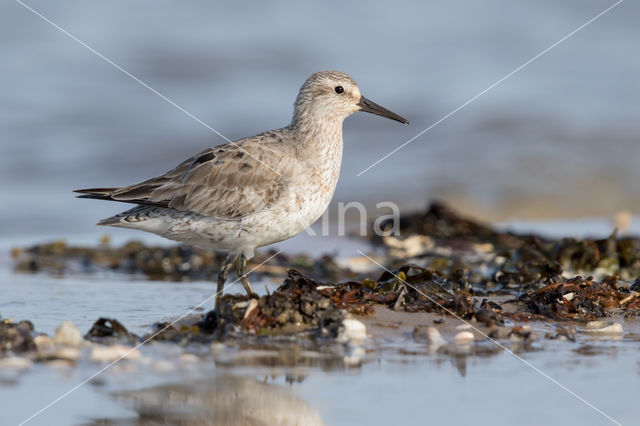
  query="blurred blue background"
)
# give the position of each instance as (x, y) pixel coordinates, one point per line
(558, 139)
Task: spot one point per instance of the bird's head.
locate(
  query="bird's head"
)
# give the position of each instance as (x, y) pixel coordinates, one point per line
(334, 95)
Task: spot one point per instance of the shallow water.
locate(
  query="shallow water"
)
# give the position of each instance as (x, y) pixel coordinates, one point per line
(389, 389)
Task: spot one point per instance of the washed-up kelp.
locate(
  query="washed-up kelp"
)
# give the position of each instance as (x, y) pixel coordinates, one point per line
(109, 330)
(296, 308)
(523, 259)
(448, 263)
(439, 221)
(584, 299)
(305, 307)
(155, 262)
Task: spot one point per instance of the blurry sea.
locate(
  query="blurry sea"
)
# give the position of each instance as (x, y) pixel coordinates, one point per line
(559, 139)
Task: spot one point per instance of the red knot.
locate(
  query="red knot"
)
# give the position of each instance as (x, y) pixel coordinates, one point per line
(254, 191)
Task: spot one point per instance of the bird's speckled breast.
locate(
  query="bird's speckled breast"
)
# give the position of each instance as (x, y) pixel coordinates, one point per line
(306, 199)
(315, 197)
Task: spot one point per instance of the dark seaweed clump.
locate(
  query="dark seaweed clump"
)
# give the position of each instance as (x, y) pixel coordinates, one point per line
(296, 309)
(528, 257)
(174, 262)
(109, 330)
(303, 307)
(466, 257)
(16, 337)
(583, 299)
(439, 221)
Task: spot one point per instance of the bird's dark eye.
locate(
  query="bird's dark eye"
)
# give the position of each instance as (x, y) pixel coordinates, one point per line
(339, 89)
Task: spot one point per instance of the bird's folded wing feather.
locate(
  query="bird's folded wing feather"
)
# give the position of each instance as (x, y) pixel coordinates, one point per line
(227, 182)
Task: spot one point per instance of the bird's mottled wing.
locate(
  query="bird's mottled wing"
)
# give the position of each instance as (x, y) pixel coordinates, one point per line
(227, 181)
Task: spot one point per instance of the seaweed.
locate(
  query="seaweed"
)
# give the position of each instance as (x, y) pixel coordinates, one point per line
(16, 337)
(173, 263)
(108, 330)
(582, 299)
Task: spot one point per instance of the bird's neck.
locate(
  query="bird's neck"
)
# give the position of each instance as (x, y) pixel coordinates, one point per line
(319, 138)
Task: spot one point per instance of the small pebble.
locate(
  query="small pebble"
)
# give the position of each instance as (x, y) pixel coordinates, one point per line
(464, 337)
(111, 353)
(463, 327)
(67, 334)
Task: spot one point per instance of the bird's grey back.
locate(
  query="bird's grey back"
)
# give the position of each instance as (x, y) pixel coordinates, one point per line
(227, 181)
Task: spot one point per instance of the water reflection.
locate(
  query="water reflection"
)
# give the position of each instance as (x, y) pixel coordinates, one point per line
(298, 353)
(221, 400)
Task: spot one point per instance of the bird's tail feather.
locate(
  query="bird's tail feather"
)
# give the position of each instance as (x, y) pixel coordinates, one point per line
(96, 193)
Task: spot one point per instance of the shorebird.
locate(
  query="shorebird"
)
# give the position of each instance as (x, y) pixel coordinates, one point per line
(254, 191)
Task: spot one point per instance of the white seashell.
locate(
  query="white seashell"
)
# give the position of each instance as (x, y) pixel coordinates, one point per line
(601, 327)
(67, 334)
(464, 338)
(354, 330)
(435, 338)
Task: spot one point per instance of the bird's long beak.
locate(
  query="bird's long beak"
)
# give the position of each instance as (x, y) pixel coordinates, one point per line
(369, 106)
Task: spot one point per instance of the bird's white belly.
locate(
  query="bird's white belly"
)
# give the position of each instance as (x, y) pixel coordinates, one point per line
(297, 211)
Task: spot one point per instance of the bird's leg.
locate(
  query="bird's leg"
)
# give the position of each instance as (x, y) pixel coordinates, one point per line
(223, 270)
(242, 274)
